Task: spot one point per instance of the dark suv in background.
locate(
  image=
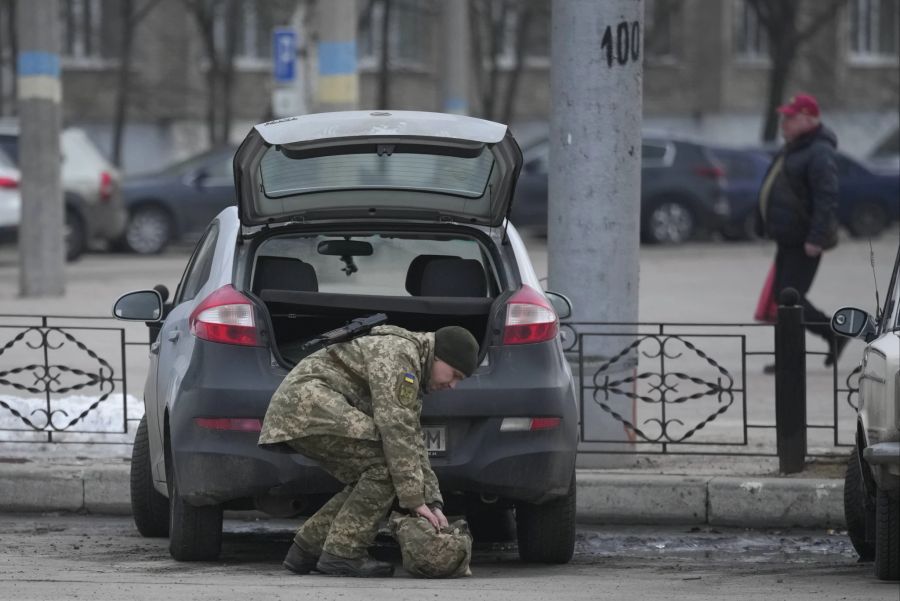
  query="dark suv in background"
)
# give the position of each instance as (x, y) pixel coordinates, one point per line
(682, 190)
(339, 216)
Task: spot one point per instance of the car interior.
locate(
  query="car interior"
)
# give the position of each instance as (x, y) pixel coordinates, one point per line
(420, 292)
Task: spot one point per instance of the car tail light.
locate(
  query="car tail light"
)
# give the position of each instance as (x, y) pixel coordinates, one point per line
(226, 316)
(9, 183)
(529, 424)
(107, 186)
(238, 424)
(529, 318)
(710, 171)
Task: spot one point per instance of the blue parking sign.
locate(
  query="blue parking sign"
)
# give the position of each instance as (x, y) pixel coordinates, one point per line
(284, 55)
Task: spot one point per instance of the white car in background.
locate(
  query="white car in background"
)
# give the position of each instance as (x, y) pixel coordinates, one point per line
(872, 482)
(93, 202)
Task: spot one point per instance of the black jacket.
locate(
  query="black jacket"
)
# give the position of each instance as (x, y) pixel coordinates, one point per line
(803, 197)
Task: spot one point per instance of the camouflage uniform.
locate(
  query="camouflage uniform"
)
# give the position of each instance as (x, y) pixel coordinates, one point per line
(354, 407)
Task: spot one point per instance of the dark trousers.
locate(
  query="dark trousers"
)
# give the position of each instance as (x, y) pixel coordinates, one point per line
(794, 269)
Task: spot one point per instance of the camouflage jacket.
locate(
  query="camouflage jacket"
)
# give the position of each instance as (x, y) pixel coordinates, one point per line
(380, 379)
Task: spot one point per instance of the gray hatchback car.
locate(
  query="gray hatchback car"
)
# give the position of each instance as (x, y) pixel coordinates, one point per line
(339, 216)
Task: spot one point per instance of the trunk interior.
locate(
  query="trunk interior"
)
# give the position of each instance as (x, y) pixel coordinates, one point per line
(299, 316)
(313, 283)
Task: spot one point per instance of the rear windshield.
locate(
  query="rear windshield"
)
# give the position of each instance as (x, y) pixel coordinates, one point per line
(395, 266)
(457, 175)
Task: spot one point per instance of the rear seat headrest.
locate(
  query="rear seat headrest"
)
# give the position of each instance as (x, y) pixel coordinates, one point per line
(417, 268)
(284, 273)
(453, 277)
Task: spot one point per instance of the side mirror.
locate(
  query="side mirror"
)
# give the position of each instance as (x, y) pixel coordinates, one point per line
(853, 323)
(561, 304)
(143, 305)
(198, 178)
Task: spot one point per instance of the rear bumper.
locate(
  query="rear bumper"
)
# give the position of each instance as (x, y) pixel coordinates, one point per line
(217, 466)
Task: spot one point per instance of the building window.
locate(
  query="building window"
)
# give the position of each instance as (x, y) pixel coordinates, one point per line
(874, 26)
(750, 39)
(252, 31)
(90, 31)
(409, 33)
(662, 20)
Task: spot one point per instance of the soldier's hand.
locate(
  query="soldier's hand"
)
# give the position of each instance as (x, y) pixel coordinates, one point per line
(442, 520)
(426, 513)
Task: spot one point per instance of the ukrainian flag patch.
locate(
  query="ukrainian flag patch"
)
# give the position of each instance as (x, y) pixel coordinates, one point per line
(409, 378)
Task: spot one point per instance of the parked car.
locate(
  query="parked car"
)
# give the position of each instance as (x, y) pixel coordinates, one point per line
(872, 481)
(885, 157)
(682, 190)
(178, 202)
(744, 172)
(338, 216)
(93, 204)
(868, 201)
(10, 202)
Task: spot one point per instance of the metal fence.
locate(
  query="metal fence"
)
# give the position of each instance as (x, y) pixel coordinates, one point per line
(700, 388)
(659, 388)
(64, 379)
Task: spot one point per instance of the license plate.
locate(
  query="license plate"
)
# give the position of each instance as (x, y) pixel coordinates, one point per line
(435, 440)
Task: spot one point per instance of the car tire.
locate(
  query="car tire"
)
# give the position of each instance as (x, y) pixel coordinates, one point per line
(195, 533)
(149, 508)
(492, 525)
(867, 220)
(856, 511)
(887, 535)
(75, 235)
(546, 532)
(668, 222)
(149, 231)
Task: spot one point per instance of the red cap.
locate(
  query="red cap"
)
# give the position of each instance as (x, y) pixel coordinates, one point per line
(800, 104)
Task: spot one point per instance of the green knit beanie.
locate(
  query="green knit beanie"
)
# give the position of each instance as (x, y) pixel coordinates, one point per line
(456, 347)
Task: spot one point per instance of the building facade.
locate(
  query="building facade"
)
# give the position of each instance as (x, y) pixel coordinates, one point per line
(706, 66)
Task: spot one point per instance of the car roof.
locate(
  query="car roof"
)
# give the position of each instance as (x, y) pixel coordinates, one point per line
(352, 124)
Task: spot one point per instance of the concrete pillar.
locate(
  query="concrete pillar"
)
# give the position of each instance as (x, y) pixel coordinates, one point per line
(594, 187)
(456, 57)
(41, 239)
(338, 80)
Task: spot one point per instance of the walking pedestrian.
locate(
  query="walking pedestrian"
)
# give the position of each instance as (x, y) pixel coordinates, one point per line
(797, 204)
(354, 407)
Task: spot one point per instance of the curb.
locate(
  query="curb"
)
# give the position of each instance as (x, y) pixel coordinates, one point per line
(620, 498)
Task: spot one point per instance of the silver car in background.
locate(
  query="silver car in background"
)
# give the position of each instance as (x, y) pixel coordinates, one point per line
(91, 187)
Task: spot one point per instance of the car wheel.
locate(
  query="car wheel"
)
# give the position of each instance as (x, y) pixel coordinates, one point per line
(856, 511)
(149, 508)
(669, 222)
(867, 220)
(75, 235)
(887, 535)
(195, 533)
(149, 231)
(546, 533)
(492, 525)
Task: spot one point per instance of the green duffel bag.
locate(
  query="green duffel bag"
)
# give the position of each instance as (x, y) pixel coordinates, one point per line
(430, 554)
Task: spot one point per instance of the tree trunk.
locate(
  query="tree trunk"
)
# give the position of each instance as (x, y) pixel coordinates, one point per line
(512, 85)
(782, 57)
(123, 81)
(384, 71)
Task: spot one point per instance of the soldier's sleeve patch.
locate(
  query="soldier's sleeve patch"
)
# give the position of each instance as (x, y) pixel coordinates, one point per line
(407, 389)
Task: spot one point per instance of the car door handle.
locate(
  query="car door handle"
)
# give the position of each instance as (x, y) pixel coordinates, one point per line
(154, 348)
(173, 335)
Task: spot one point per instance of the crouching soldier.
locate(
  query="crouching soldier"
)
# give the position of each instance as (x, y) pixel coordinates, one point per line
(354, 407)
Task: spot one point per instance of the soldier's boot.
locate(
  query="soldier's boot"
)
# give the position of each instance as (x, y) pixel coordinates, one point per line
(360, 567)
(299, 561)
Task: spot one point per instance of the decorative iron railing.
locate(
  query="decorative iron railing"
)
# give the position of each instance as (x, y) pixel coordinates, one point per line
(675, 388)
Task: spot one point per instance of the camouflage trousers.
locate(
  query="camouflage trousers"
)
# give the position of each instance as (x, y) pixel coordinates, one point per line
(347, 524)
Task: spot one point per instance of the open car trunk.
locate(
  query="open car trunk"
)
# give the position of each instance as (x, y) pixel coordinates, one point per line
(300, 316)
